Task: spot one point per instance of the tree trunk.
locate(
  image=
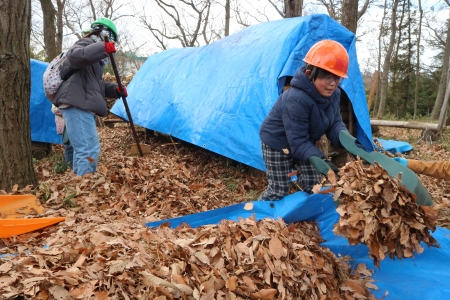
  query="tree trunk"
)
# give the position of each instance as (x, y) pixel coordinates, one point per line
(350, 15)
(227, 17)
(443, 113)
(443, 81)
(386, 63)
(293, 8)
(49, 15)
(16, 164)
(373, 87)
(59, 25)
(419, 35)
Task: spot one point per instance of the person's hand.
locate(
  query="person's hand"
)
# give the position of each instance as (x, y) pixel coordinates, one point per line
(122, 93)
(331, 165)
(109, 47)
(401, 160)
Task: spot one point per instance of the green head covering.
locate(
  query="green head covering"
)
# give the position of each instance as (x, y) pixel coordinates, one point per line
(108, 23)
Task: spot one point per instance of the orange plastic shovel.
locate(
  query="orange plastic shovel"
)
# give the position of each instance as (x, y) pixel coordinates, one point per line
(12, 227)
(13, 207)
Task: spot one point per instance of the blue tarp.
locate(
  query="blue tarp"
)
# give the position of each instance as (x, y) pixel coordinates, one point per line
(395, 146)
(424, 277)
(217, 96)
(42, 120)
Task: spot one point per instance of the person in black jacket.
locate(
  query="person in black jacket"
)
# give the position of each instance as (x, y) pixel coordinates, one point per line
(82, 96)
(300, 116)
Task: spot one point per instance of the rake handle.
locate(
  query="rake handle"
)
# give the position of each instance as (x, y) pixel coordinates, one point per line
(124, 99)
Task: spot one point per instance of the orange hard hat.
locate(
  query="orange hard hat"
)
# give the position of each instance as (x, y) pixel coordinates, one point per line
(328, 55)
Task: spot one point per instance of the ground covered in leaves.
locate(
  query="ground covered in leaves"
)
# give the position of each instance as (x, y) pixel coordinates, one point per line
(104, 250)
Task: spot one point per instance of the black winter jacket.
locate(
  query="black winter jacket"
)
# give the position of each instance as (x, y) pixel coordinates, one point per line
(86, 88)
(299, 117)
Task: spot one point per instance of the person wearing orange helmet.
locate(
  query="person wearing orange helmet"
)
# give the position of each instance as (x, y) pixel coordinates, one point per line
(300, 116)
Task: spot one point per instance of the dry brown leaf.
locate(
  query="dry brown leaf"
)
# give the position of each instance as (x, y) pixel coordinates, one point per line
(231, 283)
(5, 267)
(202, 257)
(276, 247)
(60, 293)
(266, 294)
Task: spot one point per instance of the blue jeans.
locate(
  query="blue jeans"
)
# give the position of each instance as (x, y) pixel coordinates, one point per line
(68, 154)
(80, 125)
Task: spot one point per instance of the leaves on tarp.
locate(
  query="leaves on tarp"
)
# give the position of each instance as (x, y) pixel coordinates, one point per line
(377, 210)
(232, 260)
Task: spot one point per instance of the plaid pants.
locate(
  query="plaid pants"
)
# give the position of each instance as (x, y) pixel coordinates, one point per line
(278, 166)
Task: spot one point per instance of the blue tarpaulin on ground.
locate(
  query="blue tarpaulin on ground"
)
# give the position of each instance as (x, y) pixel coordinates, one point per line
(424, 277)
(216, 96)
(394, 146)
(42, 120)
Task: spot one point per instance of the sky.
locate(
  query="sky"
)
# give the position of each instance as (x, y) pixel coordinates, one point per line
(368, 27)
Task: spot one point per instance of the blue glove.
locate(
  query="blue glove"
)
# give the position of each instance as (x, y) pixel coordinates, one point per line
(359, 145)
(401, 160)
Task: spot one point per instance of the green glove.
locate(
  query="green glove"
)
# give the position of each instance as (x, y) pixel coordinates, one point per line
(331, 165)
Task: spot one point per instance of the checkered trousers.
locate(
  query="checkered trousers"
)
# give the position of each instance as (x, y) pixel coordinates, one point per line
(278, 166)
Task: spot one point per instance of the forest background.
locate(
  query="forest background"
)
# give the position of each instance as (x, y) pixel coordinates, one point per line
(402, 45)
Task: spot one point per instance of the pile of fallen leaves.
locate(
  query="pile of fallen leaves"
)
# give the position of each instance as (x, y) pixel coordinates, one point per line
(87, 259)
(104, 250)
(379, 211)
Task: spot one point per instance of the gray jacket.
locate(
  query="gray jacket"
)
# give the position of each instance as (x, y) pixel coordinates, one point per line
(86, 88)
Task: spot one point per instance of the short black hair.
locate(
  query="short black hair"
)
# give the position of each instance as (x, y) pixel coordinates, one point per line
(317, 72)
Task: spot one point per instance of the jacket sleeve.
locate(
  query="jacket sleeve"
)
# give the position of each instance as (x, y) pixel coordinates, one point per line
(110, 90)
(85, 53)
(336, 127)
(296, 123)
(437, 169)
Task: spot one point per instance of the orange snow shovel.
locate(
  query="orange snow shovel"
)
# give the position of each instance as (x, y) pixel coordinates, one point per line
(13, 207)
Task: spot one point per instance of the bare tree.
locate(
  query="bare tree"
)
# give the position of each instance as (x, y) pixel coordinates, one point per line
(72, 16)
(386, 63)
(227, 17)
(351, 16)
(419, 34)
(444, 75)
(279, 7)
(346, 11)
(185, 21)
(52, 26)
(378, 72)
(16, 164)
(258, 14)
(293, 8)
